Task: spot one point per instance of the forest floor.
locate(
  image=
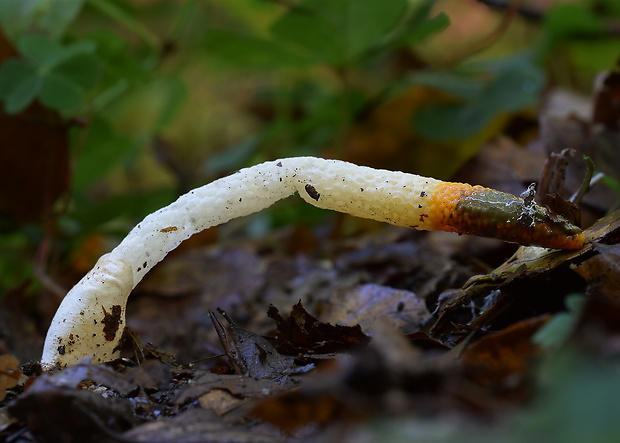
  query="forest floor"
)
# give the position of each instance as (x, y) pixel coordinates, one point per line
(390, 335)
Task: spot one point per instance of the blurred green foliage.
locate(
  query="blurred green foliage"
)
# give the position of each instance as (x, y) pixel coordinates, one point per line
(161, 96)
(58, 76)
(577, 401)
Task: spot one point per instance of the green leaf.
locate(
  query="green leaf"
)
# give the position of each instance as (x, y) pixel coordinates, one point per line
(518, 85)
(577, 402)
(50, 17)
(23, 94)
(418, 25)
(610, 8)
(118, 14)
(174, 94)
(38, 49)
(572, 19)
(336, 31)
(14, 16)
(60, 92)
(426, 28)
(590, 58)
(19, 85)
(558, 329)
(109, 44)
(46, 53)
(465, 87)
(121, 64)
(103, 150)
(245, 51)
(93, 216)
(82, 69)
(12, 73)
(317, 39)
(449, 121)
(232, 157)
(56, 15)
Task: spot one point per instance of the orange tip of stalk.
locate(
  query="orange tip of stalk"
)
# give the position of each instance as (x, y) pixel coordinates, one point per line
(466, 209)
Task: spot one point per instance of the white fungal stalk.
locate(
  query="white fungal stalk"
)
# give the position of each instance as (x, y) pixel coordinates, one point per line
(91, 318)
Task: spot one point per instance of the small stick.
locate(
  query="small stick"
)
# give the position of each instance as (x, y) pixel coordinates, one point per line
(91, 318)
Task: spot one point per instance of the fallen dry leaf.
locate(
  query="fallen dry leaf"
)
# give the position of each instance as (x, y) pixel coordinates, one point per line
(54, 412)
(302, 334)
(364, 305)
(237, 385)
(251, 355)
(9, 373)
(503, 359)
(218, 401)
(294, 410)
(195, 425)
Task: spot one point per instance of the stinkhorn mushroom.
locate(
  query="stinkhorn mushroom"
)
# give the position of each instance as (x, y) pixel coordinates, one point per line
(91, 318)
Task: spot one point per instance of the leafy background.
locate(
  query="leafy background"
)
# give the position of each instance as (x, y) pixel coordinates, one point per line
(139, 101)
(112, 108)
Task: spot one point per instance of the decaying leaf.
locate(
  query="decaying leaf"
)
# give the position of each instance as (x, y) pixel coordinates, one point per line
(218, 400)
(503, 359)
(363, 383)
(54, 412)
(238, 385)
(252, 355)
(302, 334)
(364, 305)
(195, 425)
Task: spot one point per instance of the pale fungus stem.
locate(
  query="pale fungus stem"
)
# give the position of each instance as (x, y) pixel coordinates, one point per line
(91, 318)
